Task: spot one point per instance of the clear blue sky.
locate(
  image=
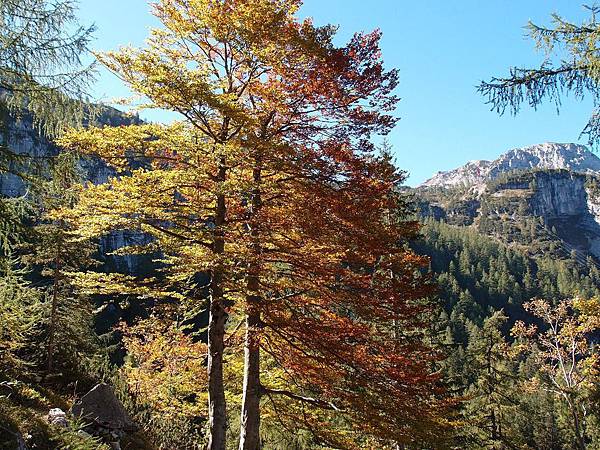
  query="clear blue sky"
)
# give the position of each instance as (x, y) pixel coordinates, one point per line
(443, 49)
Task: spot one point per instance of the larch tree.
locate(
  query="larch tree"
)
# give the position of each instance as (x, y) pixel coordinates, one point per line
(41, 70)
(42, 84)
(571, 65)
(42, 79)
(20, 314)
(270, 184)
(57, 251)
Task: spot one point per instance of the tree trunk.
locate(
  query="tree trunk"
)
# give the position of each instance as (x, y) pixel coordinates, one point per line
(216, 391)
(581, 445)
(217, 411)
(53, 318)
(250, 417)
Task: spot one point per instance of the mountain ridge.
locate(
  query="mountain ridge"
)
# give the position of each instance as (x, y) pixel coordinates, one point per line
(549, 155)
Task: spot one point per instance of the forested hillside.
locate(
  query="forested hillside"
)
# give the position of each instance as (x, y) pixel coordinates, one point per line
(476, 274)
(485, 287)
(495, 243)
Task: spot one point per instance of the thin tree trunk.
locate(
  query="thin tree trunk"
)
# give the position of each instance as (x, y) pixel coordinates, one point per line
(250, 417)
(53, 318)
(578, 434)
(217, 411)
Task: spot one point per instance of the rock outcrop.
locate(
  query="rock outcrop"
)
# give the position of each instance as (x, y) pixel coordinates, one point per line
(21, 137)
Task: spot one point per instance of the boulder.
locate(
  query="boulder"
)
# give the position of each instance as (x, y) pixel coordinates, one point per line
(102, 409)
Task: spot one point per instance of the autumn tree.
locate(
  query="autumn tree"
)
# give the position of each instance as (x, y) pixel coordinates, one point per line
(269, 184)
(571, 65)
(163, 370)
(568, 361)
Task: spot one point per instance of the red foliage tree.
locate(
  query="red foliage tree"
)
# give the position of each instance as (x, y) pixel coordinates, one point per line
(276, 153)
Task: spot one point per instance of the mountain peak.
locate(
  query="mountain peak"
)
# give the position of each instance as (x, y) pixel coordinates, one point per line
(548, 155)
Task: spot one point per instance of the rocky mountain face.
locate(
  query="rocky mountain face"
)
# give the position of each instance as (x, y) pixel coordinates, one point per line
(21, 138)
(573, 157)
(545, 198)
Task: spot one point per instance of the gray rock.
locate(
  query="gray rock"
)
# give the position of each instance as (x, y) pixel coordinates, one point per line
(102, 408)
(58, 417)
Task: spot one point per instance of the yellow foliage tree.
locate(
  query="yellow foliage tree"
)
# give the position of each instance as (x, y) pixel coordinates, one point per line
(569, 364)
(165, 374)
(269, 184)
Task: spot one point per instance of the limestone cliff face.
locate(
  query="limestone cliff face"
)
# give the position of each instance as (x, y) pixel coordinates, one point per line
(593, 202)
(552, 194)
(593, 206)
(566, 203)
(545, 197)
(560, 205)
(22, 139)
(564, 196)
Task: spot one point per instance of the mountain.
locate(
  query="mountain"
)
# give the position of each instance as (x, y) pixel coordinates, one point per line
(573, 157)
(544, 199)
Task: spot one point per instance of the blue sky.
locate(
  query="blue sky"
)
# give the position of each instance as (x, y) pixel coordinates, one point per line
(442, 48)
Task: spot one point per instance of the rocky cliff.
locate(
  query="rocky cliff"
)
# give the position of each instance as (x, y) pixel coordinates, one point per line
(544, 198)
(21, 138)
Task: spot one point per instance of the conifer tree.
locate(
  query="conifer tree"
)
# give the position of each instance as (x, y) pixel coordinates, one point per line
(57, 252)
(578, 73)
(41, 71)
(42, 84)
(489, 408)
(20, 312)
(42, 80)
